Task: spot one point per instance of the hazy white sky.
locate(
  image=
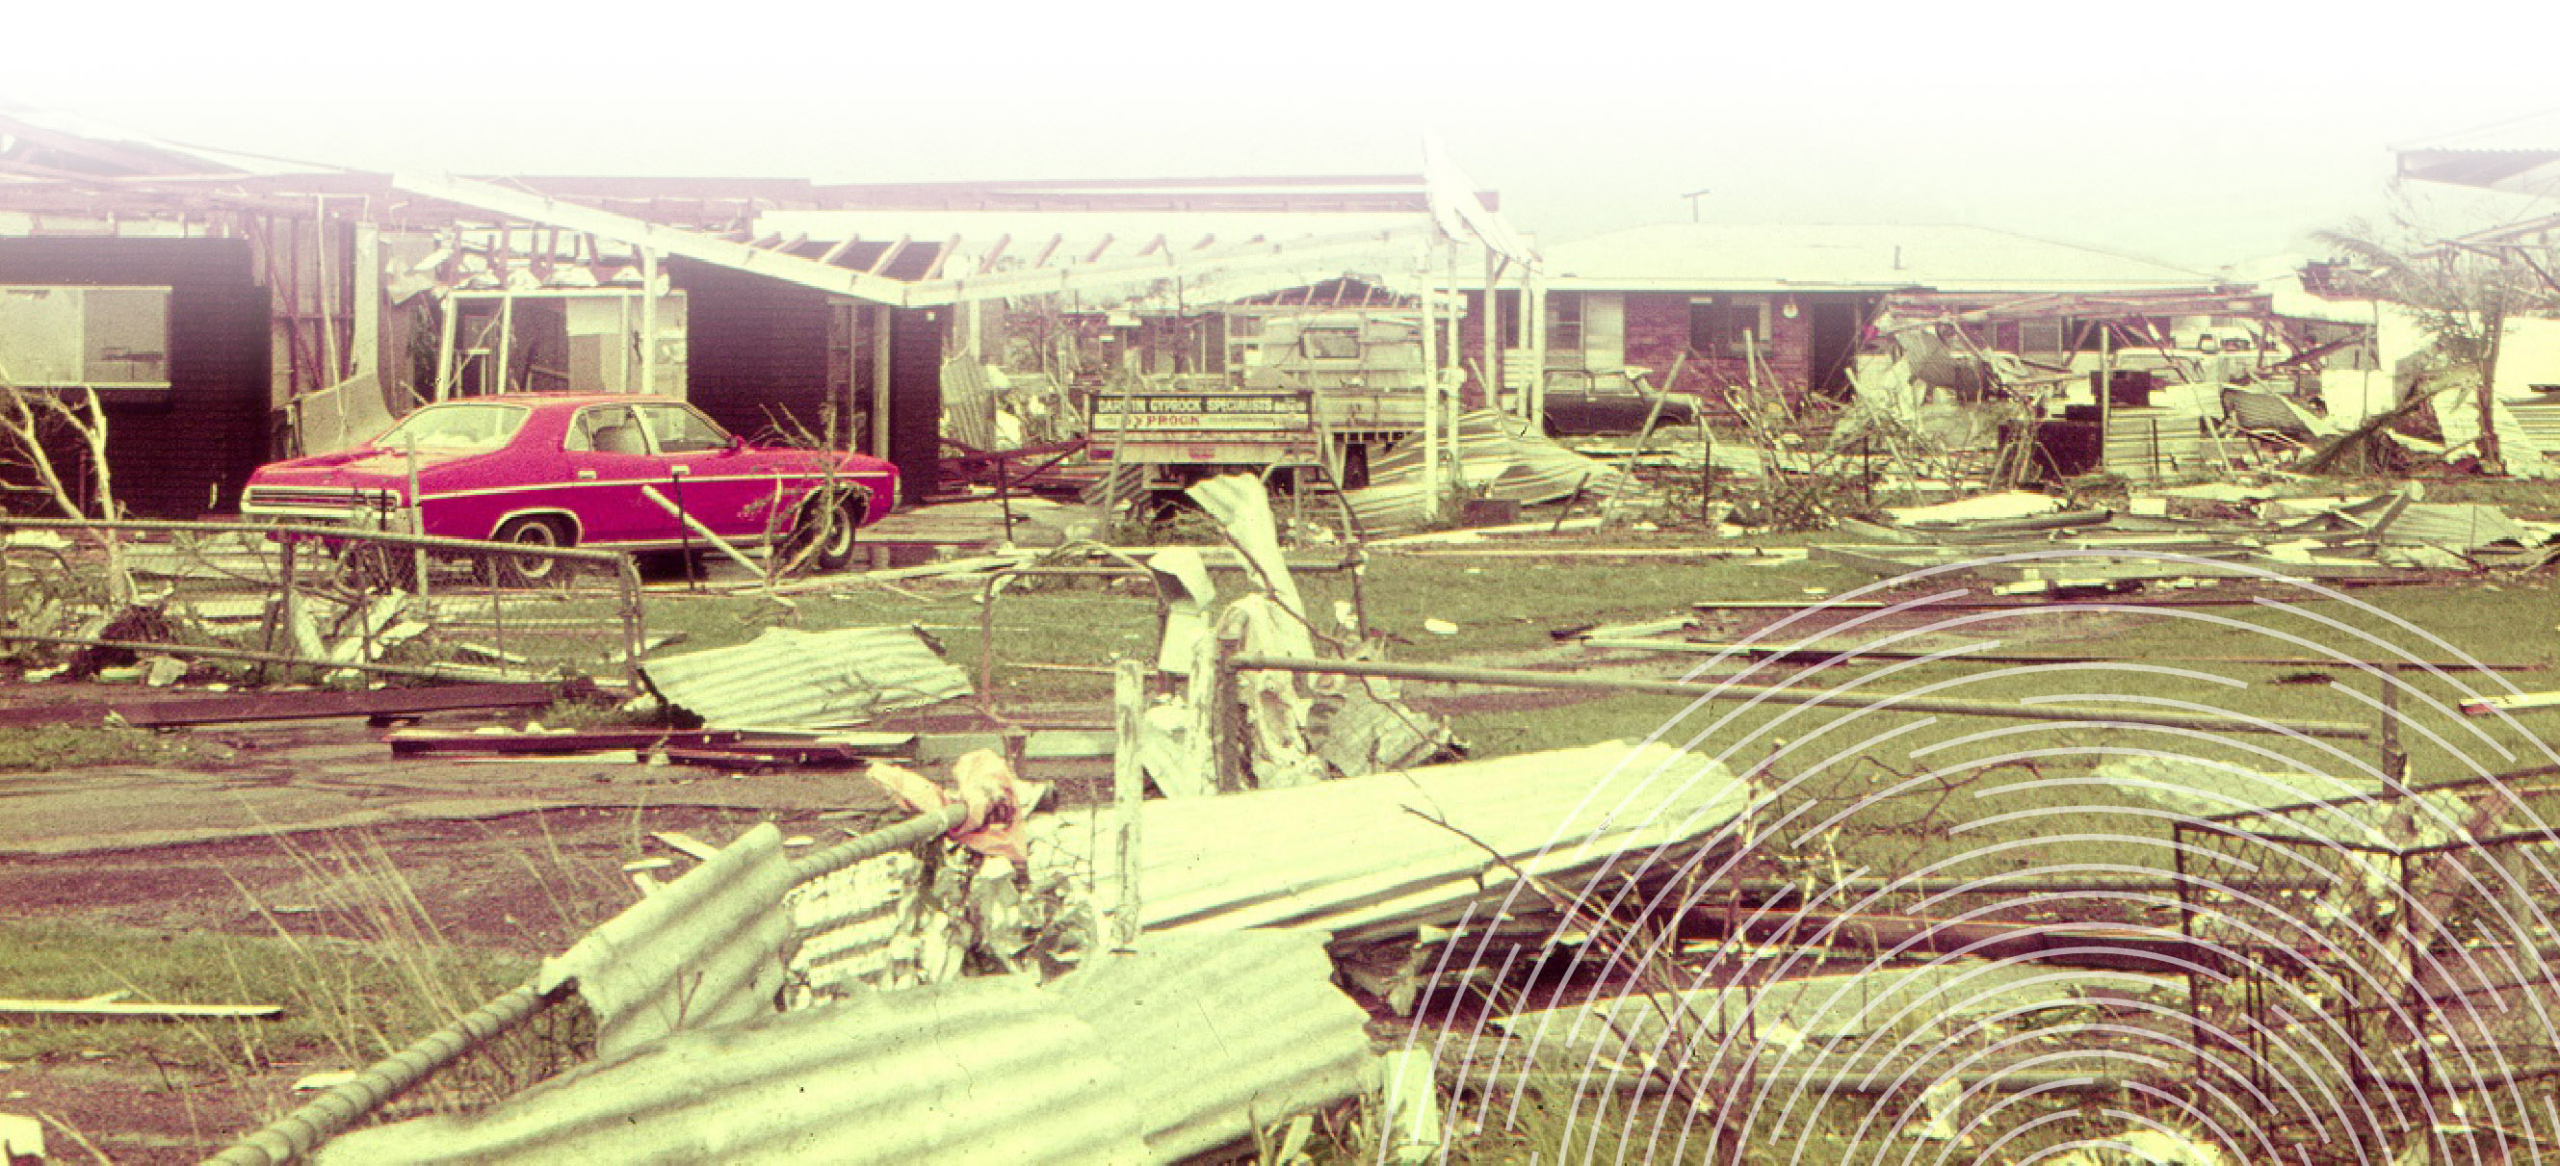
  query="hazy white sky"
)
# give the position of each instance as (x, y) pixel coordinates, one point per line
(2202, 134)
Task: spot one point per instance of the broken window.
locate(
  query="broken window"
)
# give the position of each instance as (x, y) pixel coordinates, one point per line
(1726, 327)
(101, 337)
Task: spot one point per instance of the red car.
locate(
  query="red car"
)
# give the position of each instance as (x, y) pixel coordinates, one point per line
(577, 469)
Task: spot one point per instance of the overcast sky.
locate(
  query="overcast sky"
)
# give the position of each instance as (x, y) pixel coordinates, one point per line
(2198, 134)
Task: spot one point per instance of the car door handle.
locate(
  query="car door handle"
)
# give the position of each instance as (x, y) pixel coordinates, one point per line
(586, 475)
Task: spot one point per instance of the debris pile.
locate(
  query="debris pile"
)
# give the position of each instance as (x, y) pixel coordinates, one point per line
(2026, 543)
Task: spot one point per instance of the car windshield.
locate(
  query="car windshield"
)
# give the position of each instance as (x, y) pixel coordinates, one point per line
(473, 426)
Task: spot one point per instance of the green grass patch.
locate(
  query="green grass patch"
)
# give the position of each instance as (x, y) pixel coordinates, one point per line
(59, 747)
(343, 1000)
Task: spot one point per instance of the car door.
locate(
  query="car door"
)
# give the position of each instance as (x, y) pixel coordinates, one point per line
(724, 485)
(1568, 405)
(610, 460)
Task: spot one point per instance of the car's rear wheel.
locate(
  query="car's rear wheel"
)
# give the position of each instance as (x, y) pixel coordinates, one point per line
(531, 570)
(825, 534)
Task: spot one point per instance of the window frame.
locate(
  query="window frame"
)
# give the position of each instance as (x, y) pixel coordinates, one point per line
(1715, 326)
(80, 344)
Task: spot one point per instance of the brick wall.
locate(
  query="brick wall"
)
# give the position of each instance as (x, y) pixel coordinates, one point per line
(1658, 331)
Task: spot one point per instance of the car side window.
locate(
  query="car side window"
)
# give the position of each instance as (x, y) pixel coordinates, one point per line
(607, 429)
(681, 430)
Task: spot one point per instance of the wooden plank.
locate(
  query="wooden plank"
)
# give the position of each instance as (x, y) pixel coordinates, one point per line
(687, 844)
(98, 1010)
(429, 742)
(2519, 702)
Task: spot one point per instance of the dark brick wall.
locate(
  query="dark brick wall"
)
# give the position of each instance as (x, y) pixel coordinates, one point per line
(756, 349)
(186, 452)
(757, 358)
(915, 391)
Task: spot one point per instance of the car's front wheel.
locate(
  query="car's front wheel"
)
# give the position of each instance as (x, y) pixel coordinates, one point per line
(530, 570)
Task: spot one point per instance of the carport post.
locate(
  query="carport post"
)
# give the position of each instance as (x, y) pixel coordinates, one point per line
(648, 321)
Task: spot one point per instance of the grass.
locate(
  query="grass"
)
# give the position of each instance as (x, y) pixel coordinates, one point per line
(62, 959)
(61, 747)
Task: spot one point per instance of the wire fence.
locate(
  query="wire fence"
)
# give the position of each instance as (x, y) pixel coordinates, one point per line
(267, 604)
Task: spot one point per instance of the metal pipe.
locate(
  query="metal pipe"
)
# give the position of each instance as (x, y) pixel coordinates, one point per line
(878, 842)
(1895, 702)
(300, 1132)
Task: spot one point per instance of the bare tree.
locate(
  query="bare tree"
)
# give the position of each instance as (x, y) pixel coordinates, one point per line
(35, 424)
(2462, 291)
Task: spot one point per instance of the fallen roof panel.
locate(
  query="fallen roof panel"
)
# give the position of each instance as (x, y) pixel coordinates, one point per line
(1362, 857)
(808, 679)
(1155, 1055)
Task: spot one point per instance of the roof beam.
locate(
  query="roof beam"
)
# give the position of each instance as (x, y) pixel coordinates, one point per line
(625, 229)
(1080, 276)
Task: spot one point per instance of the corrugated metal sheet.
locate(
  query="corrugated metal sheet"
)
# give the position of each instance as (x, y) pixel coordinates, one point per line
(877, 925)
(2540, 421)
(813, 679)
(2270, 413)
(705, 949)
(2458, 525)
(1356, 857)
(973, 1071)
(1494, 454)
(1149, 1056)
(2160, 445)
(1221, 1031)
(2458, 415)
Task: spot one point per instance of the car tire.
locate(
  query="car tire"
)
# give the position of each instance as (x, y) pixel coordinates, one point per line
(528, 570)
(834, 545)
